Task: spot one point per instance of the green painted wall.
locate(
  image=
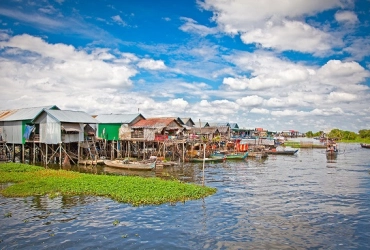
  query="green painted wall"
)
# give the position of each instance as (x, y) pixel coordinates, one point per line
(111, 131)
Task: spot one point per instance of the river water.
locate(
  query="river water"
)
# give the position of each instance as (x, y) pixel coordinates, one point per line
(284, 202)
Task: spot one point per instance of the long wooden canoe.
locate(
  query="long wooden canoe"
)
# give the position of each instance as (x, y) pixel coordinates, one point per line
(131, 165)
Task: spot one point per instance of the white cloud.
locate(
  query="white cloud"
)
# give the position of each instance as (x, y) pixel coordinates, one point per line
(179, 103)
(291, 35)
(57, 67)
(250, 101)
(327, 112)
(275, 102)
(260, 111)
(346, 17)
(151, 64)
(191, 26)
(118, 20)
(345, 75)
(341, 97)
(275, 24)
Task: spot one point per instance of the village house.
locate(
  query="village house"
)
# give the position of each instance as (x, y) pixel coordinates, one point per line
(116, 126)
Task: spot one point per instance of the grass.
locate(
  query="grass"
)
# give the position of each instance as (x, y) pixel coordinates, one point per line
(31, 180)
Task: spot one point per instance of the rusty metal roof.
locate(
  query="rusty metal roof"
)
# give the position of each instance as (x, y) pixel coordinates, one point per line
(156, 122)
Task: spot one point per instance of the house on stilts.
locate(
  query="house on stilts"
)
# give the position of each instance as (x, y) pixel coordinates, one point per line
(66, 136)
(17, 131)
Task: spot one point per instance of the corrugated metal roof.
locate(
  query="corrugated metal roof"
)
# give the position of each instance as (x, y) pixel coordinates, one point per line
(117, 118)
(207, 130)
(155, 122)
(186, 120)
(218, 124)
(72, 116)
(22, 114)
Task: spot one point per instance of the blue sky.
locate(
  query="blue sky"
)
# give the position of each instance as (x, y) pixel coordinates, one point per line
(302, 65)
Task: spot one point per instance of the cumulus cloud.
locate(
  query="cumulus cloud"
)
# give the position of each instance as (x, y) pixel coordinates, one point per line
(260, 111)
(250, 101)
(346, 75)
(341, 97)
(46, 66)
(291, 35)
(346, 17)
(179, 103)
(151, 64)
(275, 24)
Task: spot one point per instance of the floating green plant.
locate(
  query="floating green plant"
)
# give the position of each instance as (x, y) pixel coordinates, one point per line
(31, 180)
(115, 222)
(8, 215)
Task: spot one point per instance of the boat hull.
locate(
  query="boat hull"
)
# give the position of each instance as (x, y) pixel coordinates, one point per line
(131, 165)
(232, 156)
(285, 152)
(211, 159)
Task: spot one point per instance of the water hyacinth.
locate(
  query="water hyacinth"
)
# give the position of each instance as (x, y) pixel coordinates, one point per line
(31, 180)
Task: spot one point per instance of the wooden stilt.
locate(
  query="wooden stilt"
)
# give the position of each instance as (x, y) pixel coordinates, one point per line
(60, 155)
(22, 153)
(183, 152)
(144, 151)
(78, 152)
(34, 153)
(46, 157)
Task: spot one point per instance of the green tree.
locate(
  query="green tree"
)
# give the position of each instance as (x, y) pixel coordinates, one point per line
(335, 134)
(309, 134)
(364, 133)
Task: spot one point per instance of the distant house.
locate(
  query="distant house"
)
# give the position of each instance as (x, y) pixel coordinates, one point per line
(207, 133)
(216, 124)
(116, 126)
(16, 125)
(188, 122)
(156, 129)
(56, 126)
(233, 126)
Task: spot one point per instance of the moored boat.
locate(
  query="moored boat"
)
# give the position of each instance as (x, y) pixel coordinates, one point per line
(282, 152)
(131, 165)
(208, 159)
(231, 156)
(257, 152)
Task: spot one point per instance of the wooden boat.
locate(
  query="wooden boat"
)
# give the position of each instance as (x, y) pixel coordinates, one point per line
(331, 150)
(257, 152)
(365, 145)
(91, 162)
(283, 152)
(231, 156)
(131, 165)
(208, 159)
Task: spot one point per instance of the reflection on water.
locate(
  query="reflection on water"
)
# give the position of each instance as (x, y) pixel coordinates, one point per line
(282, 202)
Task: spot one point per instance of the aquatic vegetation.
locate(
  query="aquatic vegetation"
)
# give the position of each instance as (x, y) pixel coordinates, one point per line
(8, 215)
(31, 180)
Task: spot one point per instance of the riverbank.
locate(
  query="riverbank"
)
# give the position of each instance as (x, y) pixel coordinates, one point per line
(28, 180)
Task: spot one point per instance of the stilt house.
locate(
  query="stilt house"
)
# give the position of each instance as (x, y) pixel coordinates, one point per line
(57, 126)
(16, 125)
(156, 129)
(116, 126)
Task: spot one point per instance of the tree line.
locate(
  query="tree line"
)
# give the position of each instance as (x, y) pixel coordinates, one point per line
(342, 134)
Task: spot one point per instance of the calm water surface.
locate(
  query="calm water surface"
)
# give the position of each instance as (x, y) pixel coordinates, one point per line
(285, 202)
